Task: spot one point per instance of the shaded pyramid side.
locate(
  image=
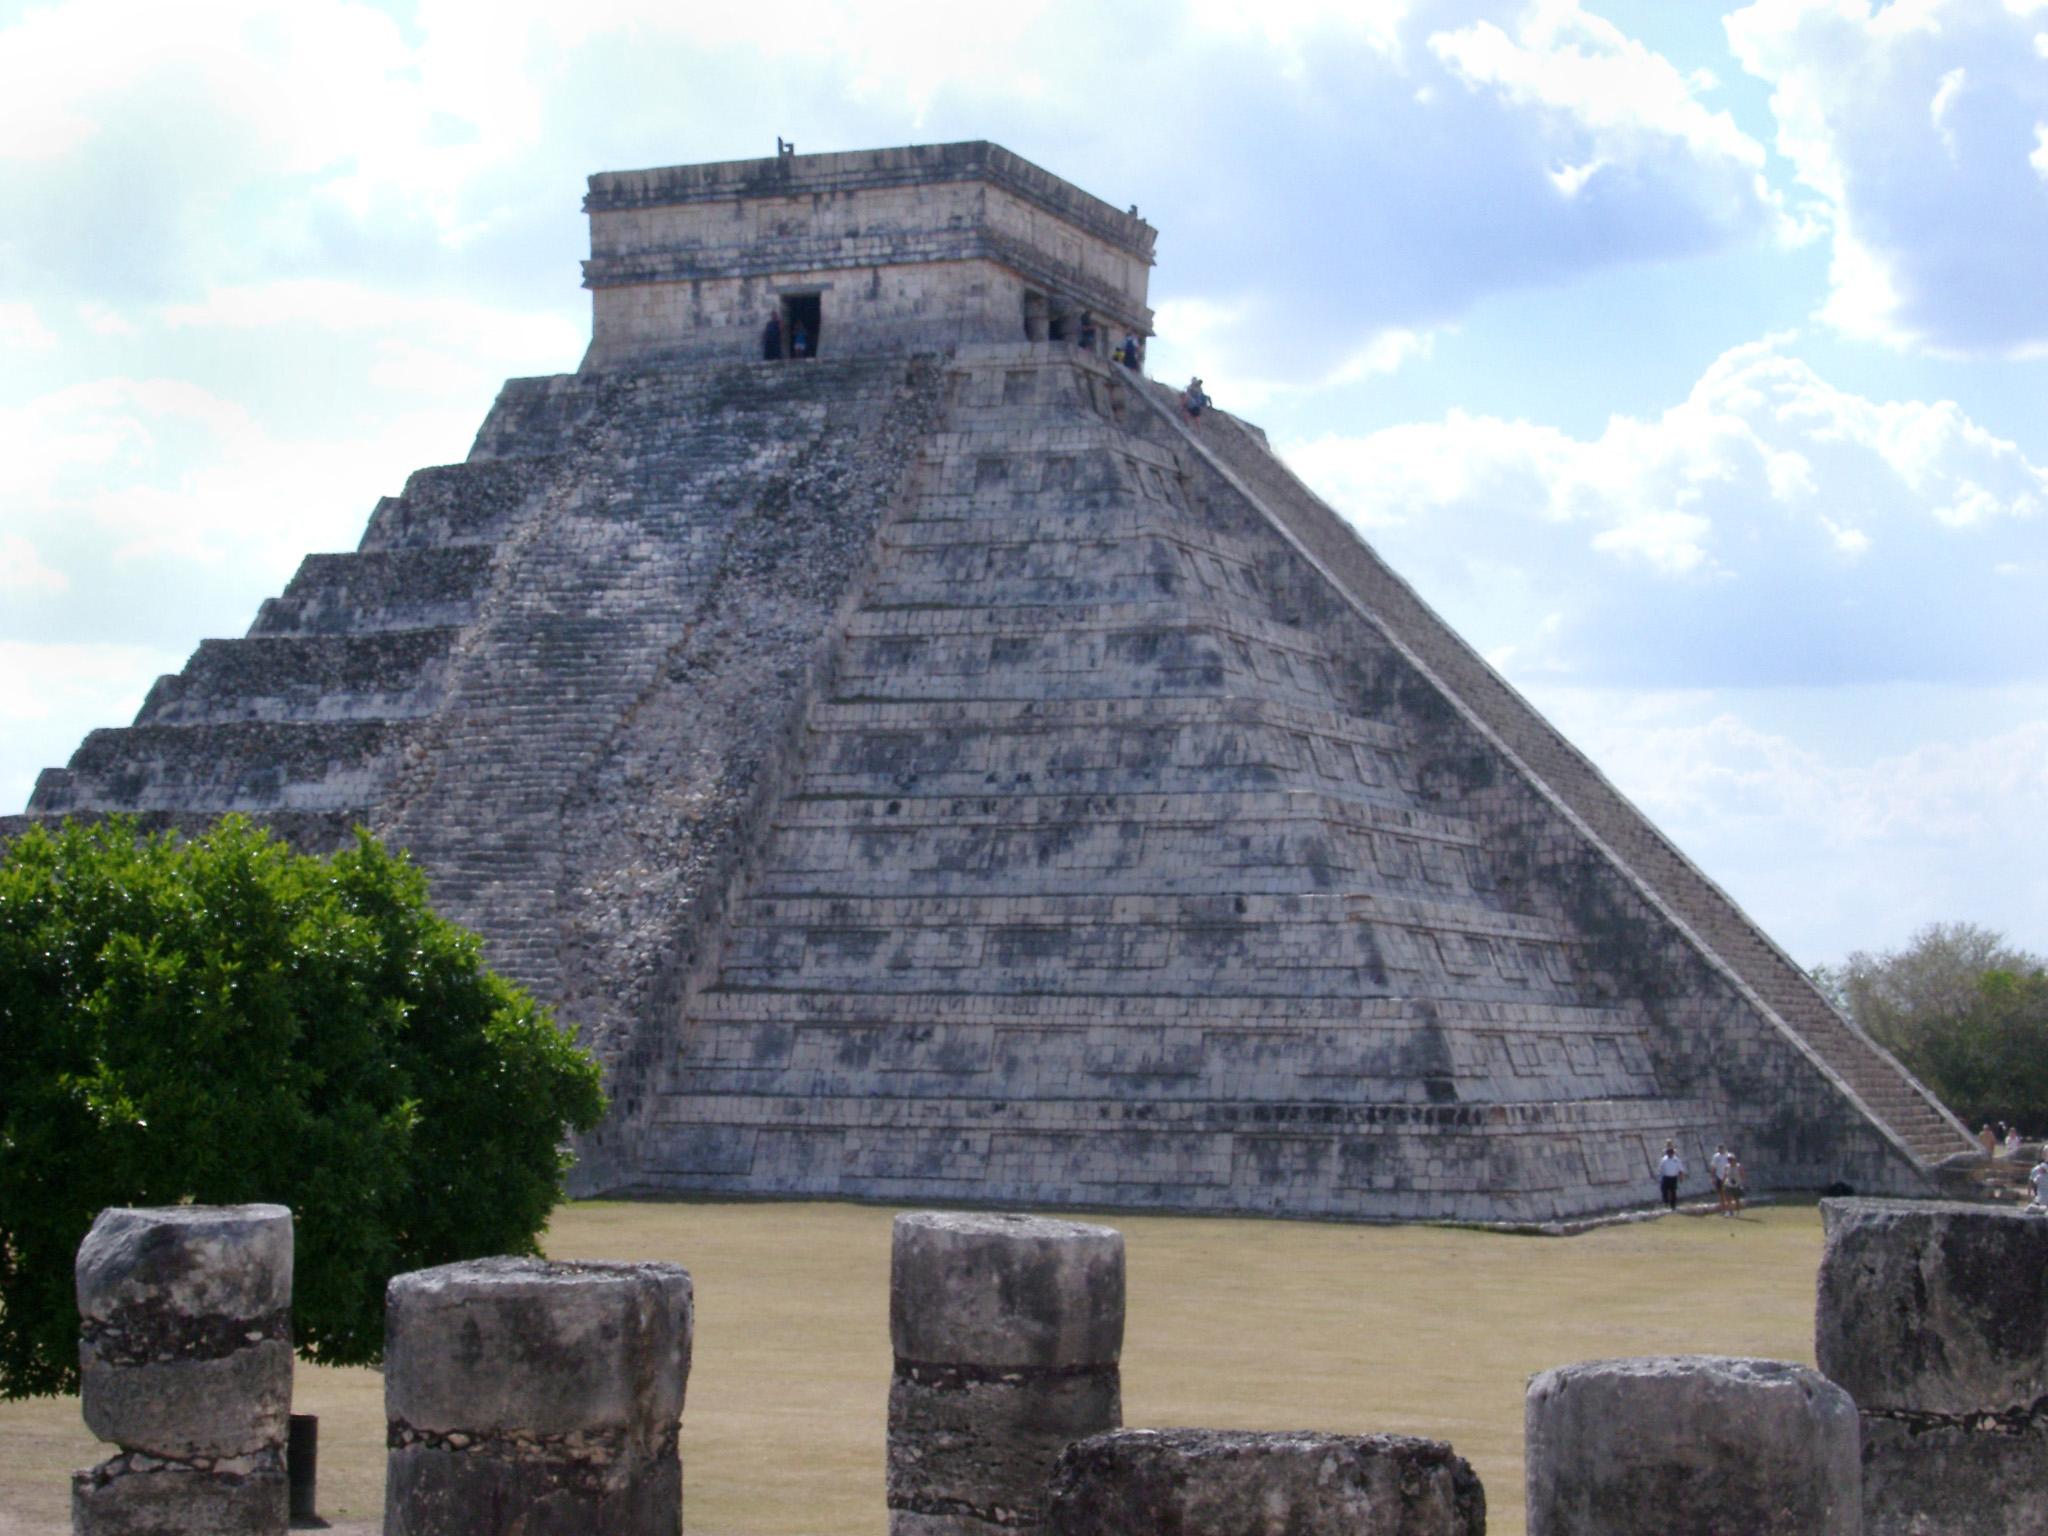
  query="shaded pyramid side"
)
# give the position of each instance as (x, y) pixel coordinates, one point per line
(1126, 863)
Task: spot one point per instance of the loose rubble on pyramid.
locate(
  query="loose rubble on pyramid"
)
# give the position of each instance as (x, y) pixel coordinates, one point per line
(924, 764)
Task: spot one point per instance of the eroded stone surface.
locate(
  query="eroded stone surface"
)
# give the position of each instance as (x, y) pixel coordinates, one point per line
(996, 1289)
(185, 1363)
(1928, 1479)
(1691, 1445)
(188, 1263)
(1934, 1316)
(536, 1397)
(232, 1405)
(1007, 1330)
(142, 1496)
(1937, 1307)
(973, 1448)
(1208, 1482)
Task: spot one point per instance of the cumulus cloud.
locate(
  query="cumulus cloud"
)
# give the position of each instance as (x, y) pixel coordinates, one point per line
(52, 694)
(1771, 527)
(1917, 130)
(1888, 839)
(128, 490)
(1327, 175)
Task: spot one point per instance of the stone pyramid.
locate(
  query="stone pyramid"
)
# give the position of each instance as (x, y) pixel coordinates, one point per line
(925, 765)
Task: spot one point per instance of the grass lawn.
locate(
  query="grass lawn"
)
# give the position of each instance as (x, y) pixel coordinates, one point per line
(1249, 1324)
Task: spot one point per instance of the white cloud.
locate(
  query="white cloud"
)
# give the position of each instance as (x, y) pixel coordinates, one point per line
(1623, 95)
(1951, 824)
(22, 568)
(1915, 129)
(51, 695)
(1772, 525)
(22, 329)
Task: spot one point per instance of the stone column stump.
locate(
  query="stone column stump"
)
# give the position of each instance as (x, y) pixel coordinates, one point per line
(534, 1397)
(1934, 1316)
(185, 1363)
(1690, 1445)
(1220, 1482)
(1007, 1331)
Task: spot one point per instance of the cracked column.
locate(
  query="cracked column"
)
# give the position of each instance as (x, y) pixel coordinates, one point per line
(1690, 1445)
(1221, 1482)
(1934, 1316)
(185, 1363)
(1007, 1331)
(535, 1397)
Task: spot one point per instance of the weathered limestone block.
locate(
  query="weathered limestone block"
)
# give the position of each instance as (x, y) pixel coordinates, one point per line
(535, 1397)
(1007, 1332)
(1690, 1445)
(1215, 1482)
(185, 1362)
(1934, 1317)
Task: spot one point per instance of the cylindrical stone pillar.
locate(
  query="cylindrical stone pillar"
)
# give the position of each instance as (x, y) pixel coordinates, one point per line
(1219, 1482)
(1690, 1445)
(185, 1363)
(1934, 1316)
(1007, 1331)
(533, 1397)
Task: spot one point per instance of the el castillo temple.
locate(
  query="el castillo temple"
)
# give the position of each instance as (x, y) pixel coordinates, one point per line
(925, 765)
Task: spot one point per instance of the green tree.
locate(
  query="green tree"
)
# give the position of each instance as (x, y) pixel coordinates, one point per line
(1966, 1012)
(1900, 995)
(1991, 1062)
(223, 1020)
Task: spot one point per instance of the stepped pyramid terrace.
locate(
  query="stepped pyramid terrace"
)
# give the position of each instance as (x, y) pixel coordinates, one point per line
(926, 766)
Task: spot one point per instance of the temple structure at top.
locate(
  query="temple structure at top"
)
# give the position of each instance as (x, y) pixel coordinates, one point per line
(918, 249)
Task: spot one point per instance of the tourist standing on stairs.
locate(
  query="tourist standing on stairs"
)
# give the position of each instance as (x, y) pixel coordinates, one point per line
(2038, 1182)
(1670, 1169)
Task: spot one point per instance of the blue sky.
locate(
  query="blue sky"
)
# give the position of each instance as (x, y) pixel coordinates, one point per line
(1688, 357)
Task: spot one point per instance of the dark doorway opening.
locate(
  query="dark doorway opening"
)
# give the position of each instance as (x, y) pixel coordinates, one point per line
(803, 316)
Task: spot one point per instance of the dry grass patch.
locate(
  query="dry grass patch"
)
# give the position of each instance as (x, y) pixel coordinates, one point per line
(1251, 1324)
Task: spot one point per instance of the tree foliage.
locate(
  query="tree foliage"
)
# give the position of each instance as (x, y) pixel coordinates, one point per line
(223, 1020)
(1966, 1012)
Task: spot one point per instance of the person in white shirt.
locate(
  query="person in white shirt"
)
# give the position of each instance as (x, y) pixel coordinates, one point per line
(2038, 1180)
(1670, 1169)
(1717, 1167)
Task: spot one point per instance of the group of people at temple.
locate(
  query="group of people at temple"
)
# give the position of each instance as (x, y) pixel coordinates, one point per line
(1724, 1168)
